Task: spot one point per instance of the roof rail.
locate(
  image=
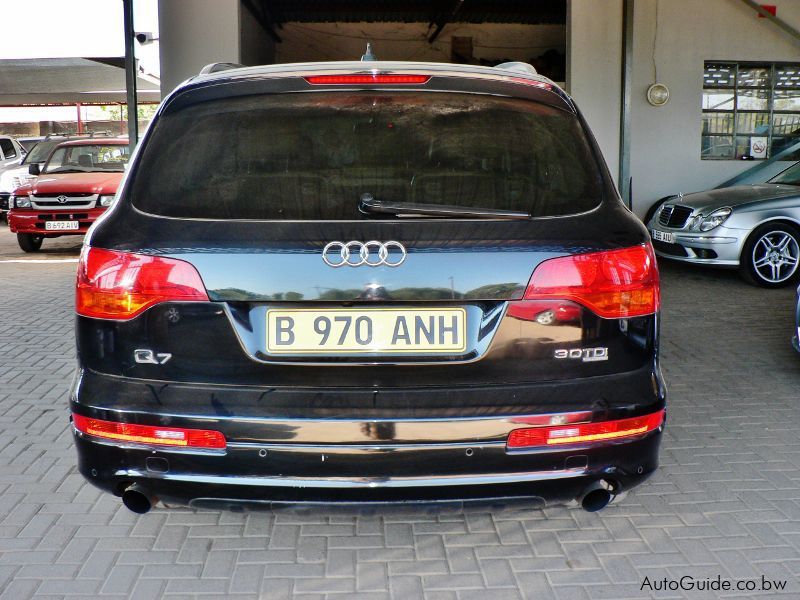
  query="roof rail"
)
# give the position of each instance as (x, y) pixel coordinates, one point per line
(217, 67)
(89, 134)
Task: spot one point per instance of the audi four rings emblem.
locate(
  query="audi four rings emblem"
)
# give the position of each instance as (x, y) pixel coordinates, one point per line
(372, 254)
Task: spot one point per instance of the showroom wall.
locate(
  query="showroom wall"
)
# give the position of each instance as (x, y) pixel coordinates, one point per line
(665, 142)
(408, 41)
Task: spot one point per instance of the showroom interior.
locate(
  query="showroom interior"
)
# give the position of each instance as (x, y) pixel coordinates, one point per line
(684, 97)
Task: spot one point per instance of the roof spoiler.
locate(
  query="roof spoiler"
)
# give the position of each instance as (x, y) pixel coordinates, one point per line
(220, 66)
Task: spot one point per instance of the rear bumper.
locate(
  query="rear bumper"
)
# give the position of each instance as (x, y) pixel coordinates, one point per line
(329, 474)
(34, 221)
(316, 458)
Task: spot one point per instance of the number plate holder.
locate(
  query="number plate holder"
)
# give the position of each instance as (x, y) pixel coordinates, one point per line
(61, 225)
(663, 236)
(375, 331)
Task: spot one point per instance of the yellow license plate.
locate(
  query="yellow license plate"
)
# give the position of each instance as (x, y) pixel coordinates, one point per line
(372, 331)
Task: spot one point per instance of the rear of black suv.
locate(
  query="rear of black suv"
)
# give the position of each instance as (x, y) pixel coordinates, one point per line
(335, 283)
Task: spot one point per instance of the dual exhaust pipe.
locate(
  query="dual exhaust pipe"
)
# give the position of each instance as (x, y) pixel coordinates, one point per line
(594, 498)
(137, 499)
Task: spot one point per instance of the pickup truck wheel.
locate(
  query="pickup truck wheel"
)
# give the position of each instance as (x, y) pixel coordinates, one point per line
(29, 242)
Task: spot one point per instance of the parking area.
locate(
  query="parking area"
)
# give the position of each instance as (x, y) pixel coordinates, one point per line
(63, 248)
(725, 502)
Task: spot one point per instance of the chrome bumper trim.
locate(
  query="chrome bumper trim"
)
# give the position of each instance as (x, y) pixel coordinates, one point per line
(359, 482)
(704, 239)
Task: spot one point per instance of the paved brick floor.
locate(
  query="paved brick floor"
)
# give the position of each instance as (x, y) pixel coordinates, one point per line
(725, 502)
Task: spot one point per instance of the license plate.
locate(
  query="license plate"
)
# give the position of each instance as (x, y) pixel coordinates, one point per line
(61, 225)
(664, 236)
(373, 331)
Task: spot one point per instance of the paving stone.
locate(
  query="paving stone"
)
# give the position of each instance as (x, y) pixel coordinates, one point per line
(726, 499)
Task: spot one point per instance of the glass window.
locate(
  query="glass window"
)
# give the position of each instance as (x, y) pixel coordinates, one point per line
(717, 99)
(790, 176)
(9, 151)
(87, 158)
(40, 152)
(312, 156)
(750, 110)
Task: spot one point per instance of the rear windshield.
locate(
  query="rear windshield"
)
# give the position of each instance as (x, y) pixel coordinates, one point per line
(311, 156)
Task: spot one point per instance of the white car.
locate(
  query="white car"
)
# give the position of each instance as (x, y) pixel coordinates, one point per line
(11, 152)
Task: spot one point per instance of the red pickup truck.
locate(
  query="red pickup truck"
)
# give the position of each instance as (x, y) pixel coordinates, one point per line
(76, 185)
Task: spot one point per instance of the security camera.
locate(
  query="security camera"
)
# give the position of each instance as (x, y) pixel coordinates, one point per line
(145, 37)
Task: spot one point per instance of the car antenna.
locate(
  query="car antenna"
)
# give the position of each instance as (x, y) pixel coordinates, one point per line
(368, 55)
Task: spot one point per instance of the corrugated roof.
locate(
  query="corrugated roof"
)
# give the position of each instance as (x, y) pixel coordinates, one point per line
(416, 11)
(67, 80)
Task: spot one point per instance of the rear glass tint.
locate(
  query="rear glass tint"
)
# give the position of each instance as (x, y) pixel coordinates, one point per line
(310, 156)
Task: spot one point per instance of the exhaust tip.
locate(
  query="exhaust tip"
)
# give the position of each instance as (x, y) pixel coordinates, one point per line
(137, 500)
(596, 497)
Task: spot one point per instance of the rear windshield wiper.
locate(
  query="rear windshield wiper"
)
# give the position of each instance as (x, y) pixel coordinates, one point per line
(371, 205)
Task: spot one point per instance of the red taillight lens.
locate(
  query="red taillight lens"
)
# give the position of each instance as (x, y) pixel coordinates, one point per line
(613, 284)
(148, 434)
(370, 79)
(121, 285)
(584, 433)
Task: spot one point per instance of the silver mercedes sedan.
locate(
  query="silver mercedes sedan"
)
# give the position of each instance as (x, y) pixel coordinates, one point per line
(755, 228)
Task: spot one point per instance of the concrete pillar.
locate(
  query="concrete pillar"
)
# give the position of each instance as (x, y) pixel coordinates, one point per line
(255, 45)
(594, 76)
(194, 33)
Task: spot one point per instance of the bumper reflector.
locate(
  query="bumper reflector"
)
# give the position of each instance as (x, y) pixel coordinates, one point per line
(584, 433)
(148, 434)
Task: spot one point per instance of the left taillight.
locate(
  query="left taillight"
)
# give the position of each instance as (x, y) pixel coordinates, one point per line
(150, 434)
(122, 285)
(614, 284)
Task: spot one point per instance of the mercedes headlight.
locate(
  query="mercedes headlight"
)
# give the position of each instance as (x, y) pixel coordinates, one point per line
(19, 202)
(715, 219)
(106, 200)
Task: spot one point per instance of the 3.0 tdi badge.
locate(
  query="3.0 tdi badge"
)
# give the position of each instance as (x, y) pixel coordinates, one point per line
(583, 354)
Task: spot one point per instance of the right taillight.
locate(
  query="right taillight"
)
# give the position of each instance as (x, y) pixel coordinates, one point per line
(584, 433)
(613, 284)
(122, 285)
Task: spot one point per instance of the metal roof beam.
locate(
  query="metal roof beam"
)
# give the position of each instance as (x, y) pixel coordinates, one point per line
(441, 23)
(769, 16)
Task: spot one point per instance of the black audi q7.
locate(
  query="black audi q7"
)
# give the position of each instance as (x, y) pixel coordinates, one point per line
(367, 282)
